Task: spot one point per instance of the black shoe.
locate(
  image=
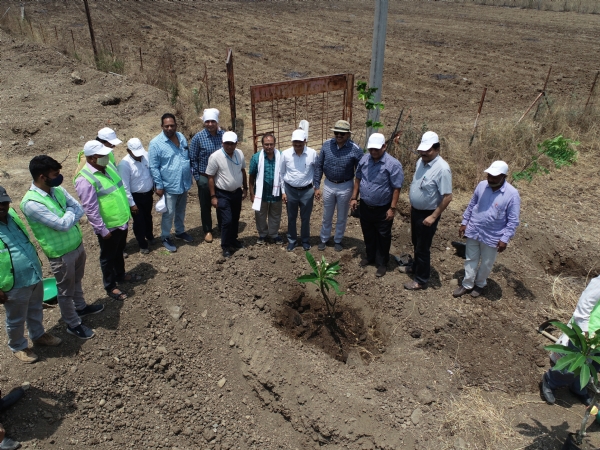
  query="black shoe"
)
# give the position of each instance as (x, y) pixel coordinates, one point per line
(291, 246)
(547, 393)
(90, 309)
(11, 398)
(226, 254)
(9, 444)
(237, 244)
(81, 331)
(585, 399)
(381, 271)
(322, 246)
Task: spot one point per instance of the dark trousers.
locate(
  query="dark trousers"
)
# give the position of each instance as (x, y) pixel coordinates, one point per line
(205, 206)
(422, 237)
(142, 221)
(112, 262)
(377, 232)
(229, 205)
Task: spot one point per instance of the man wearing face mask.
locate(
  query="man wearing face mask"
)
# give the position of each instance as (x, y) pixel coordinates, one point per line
(489, 222)
(105, 202)
(109, 138)
(53, 216)
(134, 170)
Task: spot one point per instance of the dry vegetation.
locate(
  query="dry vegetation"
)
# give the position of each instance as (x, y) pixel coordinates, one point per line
(579, 6)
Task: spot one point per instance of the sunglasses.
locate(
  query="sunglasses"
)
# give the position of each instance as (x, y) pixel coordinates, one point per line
(339, 133)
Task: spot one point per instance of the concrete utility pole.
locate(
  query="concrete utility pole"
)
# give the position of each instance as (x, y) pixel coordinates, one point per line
(376, 74)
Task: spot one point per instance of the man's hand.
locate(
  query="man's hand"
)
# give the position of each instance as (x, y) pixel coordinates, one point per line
(284, 198)
(2, 433)
(461, 231)
(389, 215)
(428, 221)
(213, 202)
(244, 193)
(159, 192)
(501, 246)
(251, 197)
(353, 205)
(107, 237)
(134, 209)
(3, 299)
(317, 194)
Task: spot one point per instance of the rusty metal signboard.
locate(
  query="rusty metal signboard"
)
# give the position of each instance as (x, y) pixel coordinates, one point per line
(278, 108)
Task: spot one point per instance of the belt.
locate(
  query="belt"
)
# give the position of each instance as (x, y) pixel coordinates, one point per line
(303, 188)
(342, 181)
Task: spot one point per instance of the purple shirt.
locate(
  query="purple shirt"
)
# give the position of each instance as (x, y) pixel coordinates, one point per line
(378, 180)
(89, 201)
(492, 216)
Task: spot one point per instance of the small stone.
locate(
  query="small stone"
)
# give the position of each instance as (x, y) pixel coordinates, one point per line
(231, 343)
(260, 304)
(415, 334)
(416, 416)
(102, 402)
(425, 396)
(161, 349)
(540, 362)
(454, 282)
(30, 143)
(164, 269)
(73, 369)
(221, 382)
(209, 434)
(204, 313)
(175, 311)
(76, 78)
(25, 386)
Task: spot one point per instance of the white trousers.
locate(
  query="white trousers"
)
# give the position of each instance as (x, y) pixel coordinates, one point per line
(335, 195)
(478, 254)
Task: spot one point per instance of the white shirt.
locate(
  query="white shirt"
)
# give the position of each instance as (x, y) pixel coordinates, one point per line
(297, 171)
(227, 171)
(135, 175)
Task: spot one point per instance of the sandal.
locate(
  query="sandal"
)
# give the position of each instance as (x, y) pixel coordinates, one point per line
(131, 277)
(119, 295)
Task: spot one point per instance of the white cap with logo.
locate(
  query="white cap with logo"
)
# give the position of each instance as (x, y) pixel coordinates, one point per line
(136, 147)
(376, 140)
(109, 135)
(95, 148)
(497, 168)
(427, 141)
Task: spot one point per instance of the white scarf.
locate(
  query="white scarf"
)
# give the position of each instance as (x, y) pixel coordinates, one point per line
(260, 179)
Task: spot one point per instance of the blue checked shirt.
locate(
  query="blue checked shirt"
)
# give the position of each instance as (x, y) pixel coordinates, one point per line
(202, 146)
(267, 195)
(378, 180)
(169, 165)
(338, 164)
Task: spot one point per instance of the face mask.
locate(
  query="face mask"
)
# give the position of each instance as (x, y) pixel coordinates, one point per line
(54, 182)
(103, 161)
(495, 185)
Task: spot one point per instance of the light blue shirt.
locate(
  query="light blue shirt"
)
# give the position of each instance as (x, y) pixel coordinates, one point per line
(492, 216)
(430, 183)
(26, 264)
(297, 171)
(37, 212)
(379, 180)
(169, 164)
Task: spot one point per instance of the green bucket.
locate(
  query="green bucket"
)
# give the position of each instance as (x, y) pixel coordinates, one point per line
(50, 289)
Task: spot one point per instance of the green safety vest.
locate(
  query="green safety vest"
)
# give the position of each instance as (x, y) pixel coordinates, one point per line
(7, 278)
(594, 323)
(112, 198)
(54, 243)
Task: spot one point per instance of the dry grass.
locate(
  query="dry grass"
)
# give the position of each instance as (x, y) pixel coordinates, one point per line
(475, 418)
(565, 294)
(579, 6)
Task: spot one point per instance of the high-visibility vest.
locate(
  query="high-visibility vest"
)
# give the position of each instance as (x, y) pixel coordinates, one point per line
(7, 277)
(54, 243)
(112, 198)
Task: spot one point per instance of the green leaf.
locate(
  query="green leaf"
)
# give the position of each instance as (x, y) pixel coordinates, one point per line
(334, 284)
(558, 348)
(312, 262)
(583, 341)
(309, 278)
(565, 361)
(568, 331)
(577, 364)
(595, 359)
(584, 376)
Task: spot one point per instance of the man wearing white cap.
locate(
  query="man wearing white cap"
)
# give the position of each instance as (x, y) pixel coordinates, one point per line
(105, 202)
(203, 144)
(109, 138)
(489, 222)
(297, 172)
(379, 178)
(137, 180)
(228, 185)
(430, 194)
(169, 158)
(337, 160)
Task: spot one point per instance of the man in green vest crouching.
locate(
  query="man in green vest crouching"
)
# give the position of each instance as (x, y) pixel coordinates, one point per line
(53, 216)
(21, 287)
(104, 200)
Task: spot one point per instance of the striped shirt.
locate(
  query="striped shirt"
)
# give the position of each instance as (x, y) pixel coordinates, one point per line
(36, 212)
(170, 165)
(338, 164)
(203, 145)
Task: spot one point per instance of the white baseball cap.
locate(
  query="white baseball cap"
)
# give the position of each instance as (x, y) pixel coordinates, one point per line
(109, 135)
(211, 114)
(497, 168)
(376, 140)
(136, 147)
(299, 135)
(427, 141)
(95, 148)
(229, 136)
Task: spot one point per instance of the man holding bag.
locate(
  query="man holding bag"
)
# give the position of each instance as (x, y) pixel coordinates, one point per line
(265, 190)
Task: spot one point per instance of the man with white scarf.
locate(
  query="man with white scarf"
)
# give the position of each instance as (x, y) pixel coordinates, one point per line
(265, 190)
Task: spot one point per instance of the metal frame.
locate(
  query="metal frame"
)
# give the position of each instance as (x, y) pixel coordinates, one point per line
(307, 94)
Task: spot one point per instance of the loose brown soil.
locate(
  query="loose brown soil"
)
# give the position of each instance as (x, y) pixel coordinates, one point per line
(153, 377)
